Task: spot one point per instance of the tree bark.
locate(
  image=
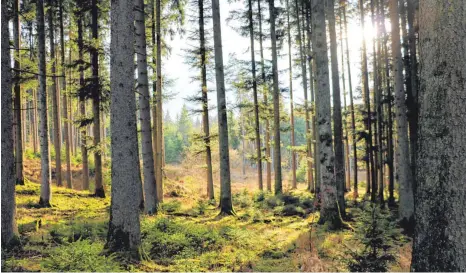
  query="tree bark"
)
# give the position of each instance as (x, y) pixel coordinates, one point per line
(82, 107)
(150, 190)
(268, 164)
(345, 120)
(353, 119)
(440, 196)
(124, 227)
(46, 180)
(17, 100)
(337, 120)
(413, 107)
(8, 157)
(205, 102)
(99, 187)
(329, 212)
(66, 131)
(159, 111)
(367, 103)
(404, 173)
(226, 206)
(276, 103)
(55, 95)
(306, 104)
(256, 102)
(290, 65)
(391, 177)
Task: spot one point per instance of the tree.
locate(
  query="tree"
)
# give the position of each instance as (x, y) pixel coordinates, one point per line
(302, 60)
(276, 102)
(293, 142)
(96, 97)
(440, 196)
(45, 178)
(402, 148)
(124, 227)
(256, 102)
(55, 94)
(82, 98)
(337, 120)
(150, 190)
(268, 165)
(353, 120)
(329, 212)
(205, 101)
(367, 104)
(226, 206)
(66, 129)
(17, 99)
(158, 119)
(8, 160)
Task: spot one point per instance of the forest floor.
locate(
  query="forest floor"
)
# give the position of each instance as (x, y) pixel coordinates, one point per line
(268, 233)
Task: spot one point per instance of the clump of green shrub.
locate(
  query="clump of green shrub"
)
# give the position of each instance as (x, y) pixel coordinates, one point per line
(82, 255)
(171, 207)
(78, 231)
(376, 234)
(167, 239)
(242, 199)
(286, 204)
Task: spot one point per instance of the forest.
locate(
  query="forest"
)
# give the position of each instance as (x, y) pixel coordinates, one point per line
(233, 136)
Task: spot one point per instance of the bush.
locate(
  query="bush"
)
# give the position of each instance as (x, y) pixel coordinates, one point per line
(242, 199)
(168, 239)
(82, 255)
(79, 231)
(376, 234)
(171, 207)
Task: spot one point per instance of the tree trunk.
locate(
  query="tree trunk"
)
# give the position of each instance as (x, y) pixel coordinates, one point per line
(256, 103)
(391, 177)
(404, 173)
(46, 180)
(337, 121)
(380, 122)
(55, 95)
(276, 103)
(159, 111)
(66, 131)
(306, 105)
(268, 164)
(17, 100)
(8, 159)
(329, 212)
(345, 121)
(376, 168)
(290, 64)
(99, 187)
(226, 206)
(353, 120)
(313, 119)
(82, 106)
(413, 107)
(205, 102)
(124, 227)
(367, 103)
(440, 196)
(150, 190)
